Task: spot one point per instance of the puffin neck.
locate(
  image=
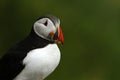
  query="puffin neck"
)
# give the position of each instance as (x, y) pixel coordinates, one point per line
(38, 41)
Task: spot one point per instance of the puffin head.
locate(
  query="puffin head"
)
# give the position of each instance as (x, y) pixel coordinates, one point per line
(48, 27)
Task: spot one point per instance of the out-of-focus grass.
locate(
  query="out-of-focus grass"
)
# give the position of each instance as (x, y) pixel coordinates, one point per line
(91, 29)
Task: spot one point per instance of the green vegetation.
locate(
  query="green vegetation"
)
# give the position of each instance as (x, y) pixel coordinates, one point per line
(91, 28)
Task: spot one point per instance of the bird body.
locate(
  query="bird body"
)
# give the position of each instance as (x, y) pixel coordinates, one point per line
(40, 62)
(35, 57)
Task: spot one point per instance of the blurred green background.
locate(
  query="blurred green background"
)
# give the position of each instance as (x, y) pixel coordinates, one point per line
(91, 28)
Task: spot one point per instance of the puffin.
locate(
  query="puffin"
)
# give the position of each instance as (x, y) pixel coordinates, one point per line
(36, 56)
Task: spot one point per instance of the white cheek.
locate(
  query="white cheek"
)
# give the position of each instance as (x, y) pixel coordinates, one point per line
(40, 30)
(51, 27)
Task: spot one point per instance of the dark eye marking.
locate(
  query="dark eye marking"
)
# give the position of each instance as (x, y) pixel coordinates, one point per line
(46, 23)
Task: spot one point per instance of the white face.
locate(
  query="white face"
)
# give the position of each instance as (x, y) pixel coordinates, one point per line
(43, 27)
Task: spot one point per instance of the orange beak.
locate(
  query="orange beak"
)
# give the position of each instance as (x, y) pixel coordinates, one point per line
(57, 36)
(60, 36)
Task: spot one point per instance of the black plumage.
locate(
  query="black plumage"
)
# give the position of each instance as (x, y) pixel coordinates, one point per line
(11, 63)
(52, 18)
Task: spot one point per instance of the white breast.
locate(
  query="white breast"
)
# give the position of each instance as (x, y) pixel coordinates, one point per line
(39, 63)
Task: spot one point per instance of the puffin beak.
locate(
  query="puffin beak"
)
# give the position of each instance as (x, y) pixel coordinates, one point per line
(57, 36)
(60, 37)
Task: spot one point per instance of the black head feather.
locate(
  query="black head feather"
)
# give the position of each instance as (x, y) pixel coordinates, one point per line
(54, 19)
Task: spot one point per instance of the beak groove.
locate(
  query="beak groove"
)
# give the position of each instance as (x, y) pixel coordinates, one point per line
(60, 36)
(57, 36)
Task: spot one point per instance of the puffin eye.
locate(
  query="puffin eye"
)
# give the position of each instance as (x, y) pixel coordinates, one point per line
(46, 23)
